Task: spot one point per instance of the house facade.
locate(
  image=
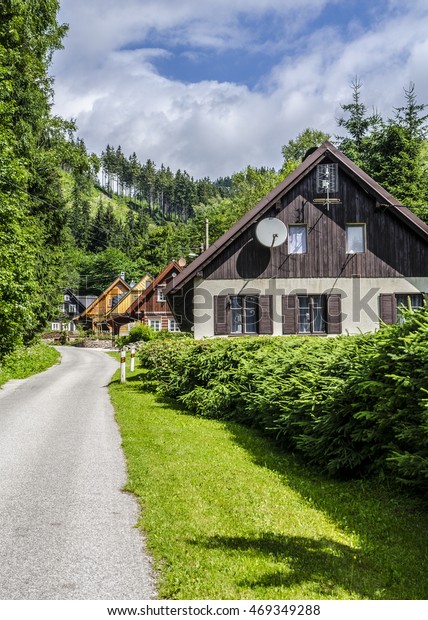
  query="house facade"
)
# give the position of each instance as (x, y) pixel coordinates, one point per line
(151, 306)
(94, 317)
(327, 252)
(114, 315)
(70, 308)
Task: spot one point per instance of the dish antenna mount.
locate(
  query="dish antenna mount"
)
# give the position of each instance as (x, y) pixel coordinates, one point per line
(271, 232)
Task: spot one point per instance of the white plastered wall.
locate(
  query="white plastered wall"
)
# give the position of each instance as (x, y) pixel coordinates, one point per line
(360, 298)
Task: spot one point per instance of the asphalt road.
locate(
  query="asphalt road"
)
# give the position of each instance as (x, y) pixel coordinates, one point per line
(66, 528)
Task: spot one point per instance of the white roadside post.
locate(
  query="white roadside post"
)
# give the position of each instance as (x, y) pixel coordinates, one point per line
(123, 366)
(132, 359)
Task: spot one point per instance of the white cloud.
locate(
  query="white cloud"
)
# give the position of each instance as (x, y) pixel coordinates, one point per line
(215, 128)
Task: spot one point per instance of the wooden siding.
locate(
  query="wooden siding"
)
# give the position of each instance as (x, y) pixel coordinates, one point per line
(103, 306)
(334, 314)
(265, 314)
(392, 248)
(388, 310)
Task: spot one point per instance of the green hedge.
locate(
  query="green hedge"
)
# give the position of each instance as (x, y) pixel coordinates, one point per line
(350, 405)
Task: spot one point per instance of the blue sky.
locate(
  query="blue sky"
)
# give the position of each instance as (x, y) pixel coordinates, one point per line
(209, 86)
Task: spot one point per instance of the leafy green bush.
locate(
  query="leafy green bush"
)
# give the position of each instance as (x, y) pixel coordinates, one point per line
(350, 405)
(26, 361)
(144, 333)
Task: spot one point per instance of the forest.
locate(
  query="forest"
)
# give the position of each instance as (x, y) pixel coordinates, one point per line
(74, 218)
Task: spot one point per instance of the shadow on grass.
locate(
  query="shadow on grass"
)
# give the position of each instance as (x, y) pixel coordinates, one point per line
(300, 560)
(391, 527)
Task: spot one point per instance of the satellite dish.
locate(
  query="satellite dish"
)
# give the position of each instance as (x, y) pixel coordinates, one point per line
(271, 232)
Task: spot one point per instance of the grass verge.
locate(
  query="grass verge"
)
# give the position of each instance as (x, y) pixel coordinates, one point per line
(27, 361)
(227, 516)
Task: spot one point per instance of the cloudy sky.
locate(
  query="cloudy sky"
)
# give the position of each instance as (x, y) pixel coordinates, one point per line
(211, 86)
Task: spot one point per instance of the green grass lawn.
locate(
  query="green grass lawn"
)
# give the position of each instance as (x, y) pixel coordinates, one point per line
(227, 516)
(28, 361)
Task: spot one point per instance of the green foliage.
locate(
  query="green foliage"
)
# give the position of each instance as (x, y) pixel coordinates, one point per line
(98, 271)
(32, 238)
(393, 152)
(250, 522)
(26, 361)
(295, 150)
(139, 333)
(349, 405)
(144, 333)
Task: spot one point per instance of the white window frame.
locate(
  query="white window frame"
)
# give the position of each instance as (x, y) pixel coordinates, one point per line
(66, 297)
(56, 327)
(296, 249)
(155, 324)
(173, 326)
(72, 308)
(161, 293)
(362, 226)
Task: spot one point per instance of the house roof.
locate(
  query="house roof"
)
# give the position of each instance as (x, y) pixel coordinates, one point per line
(172, 266)
(139, 286)
(79, 304)
(101, 297)
(335, 156)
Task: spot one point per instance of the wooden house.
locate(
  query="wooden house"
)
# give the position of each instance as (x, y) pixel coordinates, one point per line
(151, 306)
(328, 251)
(114, 315)
(70, 308)
(94, 316)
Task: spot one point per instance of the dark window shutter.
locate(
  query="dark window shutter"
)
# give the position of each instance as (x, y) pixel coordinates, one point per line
(289, 314)
(265, 314)
(221, 327)
(334, 314)
(388, 308)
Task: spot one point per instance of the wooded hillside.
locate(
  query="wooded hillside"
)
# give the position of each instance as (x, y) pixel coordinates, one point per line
(77, 219)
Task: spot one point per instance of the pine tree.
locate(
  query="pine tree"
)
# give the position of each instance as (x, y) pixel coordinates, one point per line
(358, 125)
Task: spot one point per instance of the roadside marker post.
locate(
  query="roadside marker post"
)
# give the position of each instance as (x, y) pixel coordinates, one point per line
(132, 359)
(123, 366)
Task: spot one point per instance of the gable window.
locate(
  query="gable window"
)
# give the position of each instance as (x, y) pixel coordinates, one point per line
(355, 238)
(72, 308)
(161, 294)
(66, 297)
(297, 239)
(312, 311)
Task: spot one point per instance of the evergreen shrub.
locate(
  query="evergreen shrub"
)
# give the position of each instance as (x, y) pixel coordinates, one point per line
(351, 405)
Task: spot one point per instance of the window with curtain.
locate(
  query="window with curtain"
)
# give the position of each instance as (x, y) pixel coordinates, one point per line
(311, 314)
(243, 314)
(355, 238)
(297, 239)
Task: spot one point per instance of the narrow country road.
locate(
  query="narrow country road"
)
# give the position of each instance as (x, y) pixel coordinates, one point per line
(66, 528)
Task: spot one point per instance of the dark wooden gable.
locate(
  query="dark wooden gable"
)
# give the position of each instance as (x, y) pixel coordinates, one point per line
(393, 247)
